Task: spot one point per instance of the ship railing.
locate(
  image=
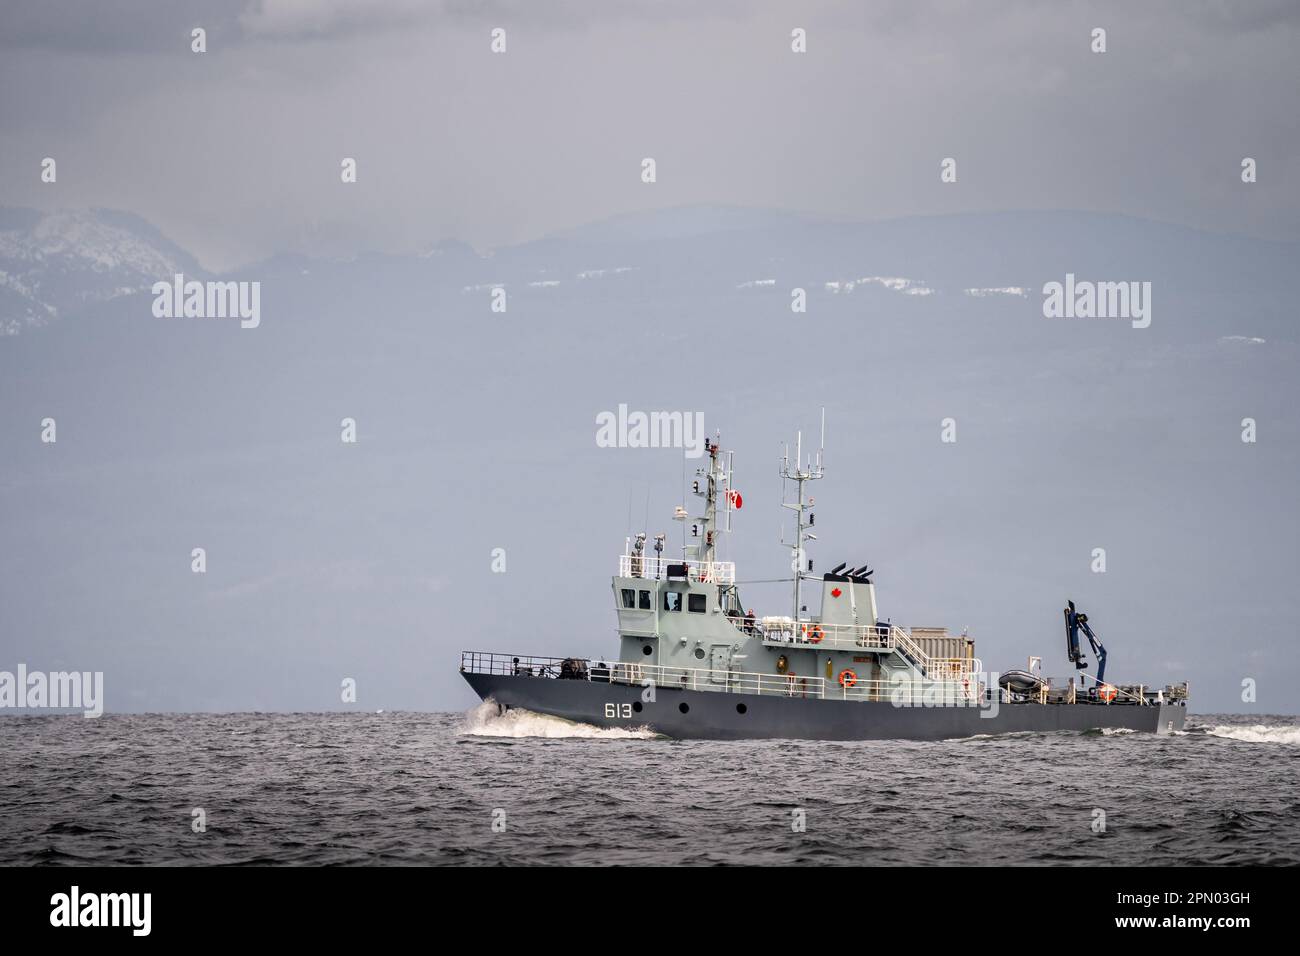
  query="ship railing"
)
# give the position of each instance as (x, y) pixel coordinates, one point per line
(1120, 692)
(871, 637)
(704, 572)
(913, 693)
(849, 637)
(512, 665)
(718, 679)
(901, 692)
(913, 650)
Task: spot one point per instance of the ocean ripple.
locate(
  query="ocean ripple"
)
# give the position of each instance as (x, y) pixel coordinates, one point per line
(481, 788)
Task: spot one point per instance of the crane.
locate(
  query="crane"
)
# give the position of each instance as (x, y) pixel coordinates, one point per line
(1075, 622)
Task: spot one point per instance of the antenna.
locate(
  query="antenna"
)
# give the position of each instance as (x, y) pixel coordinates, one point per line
(712, 479)
(821, 449)
(683, 490)
(800, 475)
(730, 487)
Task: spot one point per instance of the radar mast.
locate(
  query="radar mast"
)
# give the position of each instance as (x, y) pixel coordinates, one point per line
(801, 473)
(709, 482)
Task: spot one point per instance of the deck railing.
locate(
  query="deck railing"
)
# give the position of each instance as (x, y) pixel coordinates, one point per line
(718, 679)
(855, 637)
(726, 680)
(964, 689)
(511, 665)
(657, 568)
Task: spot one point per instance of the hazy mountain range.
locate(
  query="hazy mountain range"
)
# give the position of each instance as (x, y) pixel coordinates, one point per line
(372, 561)
(54, 264)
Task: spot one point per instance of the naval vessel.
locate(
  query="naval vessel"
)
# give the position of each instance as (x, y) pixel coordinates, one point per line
(694, 661)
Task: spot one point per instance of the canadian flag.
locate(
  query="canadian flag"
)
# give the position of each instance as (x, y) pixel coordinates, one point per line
(734, 499)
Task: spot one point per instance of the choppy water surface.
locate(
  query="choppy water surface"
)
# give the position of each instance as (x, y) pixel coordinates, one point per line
(426, 788)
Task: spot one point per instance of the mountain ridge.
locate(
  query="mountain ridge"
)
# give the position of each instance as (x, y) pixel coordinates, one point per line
(62, 263)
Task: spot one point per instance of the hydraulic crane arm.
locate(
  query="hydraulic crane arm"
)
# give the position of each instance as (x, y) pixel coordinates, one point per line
(1074, 623)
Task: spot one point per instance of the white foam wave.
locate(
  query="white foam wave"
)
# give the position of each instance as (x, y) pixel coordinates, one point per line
(1116, 731)
(487, 720)
(1258, 733)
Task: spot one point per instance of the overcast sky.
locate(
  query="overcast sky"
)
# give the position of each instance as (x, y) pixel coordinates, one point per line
(330, 559)
(235, 153)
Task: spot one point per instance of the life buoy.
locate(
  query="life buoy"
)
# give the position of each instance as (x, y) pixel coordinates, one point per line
(848, 678)
(1106, 692)
(813, 634)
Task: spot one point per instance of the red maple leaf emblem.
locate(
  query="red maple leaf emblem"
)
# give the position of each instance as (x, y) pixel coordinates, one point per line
(836, 592)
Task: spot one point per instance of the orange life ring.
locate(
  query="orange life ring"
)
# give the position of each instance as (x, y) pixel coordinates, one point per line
(1106, 692)
(814, 634)
(848, 678)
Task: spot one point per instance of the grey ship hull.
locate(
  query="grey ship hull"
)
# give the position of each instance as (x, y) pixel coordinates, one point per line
(714, 715)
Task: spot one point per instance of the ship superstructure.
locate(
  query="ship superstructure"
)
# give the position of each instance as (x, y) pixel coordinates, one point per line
(695, 661)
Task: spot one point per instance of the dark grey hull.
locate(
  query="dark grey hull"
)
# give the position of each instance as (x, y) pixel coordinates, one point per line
(713, 715)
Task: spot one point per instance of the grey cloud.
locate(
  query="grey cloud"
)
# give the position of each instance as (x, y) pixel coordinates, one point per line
(151, 26)
(112, 26)
(236, 155)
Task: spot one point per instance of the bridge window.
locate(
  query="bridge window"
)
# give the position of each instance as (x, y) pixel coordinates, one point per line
(672, 600)
(645, 601)
(695, 603)
(629, 597)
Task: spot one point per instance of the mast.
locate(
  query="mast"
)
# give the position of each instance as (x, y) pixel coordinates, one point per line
(800, 474)
(707, 484)
(711, 505)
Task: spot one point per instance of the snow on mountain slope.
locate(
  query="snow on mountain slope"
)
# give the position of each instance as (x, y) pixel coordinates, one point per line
(55, 263)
